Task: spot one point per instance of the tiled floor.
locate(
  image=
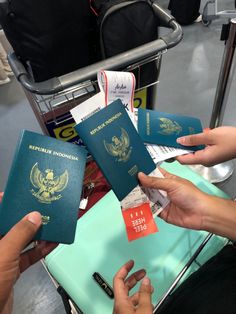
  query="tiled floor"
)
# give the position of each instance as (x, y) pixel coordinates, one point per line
(188, 80)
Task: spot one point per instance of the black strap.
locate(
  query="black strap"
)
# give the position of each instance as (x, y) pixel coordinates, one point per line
(225, 32)
(65, 299)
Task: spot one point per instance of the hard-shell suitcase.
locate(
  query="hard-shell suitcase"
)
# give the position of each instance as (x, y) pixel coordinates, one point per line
(86, 268)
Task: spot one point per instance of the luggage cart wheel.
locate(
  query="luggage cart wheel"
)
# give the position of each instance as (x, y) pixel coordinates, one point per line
(205, 22)
(205, 18)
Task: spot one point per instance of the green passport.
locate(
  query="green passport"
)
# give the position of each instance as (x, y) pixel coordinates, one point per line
(46, 176)
(163, 128)
(116, 146)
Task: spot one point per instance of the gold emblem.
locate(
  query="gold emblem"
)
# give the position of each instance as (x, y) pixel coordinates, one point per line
(169, 127)
(45, 219)
(119, 147)
(47, 184)
(191, 130)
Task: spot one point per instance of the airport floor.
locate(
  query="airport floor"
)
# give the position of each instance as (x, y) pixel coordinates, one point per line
(188, 80)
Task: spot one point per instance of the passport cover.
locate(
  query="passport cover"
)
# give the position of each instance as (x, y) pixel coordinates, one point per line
(116, 146)
(46, 176)
(164, 128)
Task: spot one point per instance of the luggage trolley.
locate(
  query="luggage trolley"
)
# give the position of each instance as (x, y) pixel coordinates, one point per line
(207, 18)
(52, 100)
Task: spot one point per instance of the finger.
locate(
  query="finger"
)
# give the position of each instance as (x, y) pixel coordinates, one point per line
(33, 255)
(195, 139)
(120, 291)
(203, 156)
(190, 159)
(1, 196)
(165, 184)
(135, 297)
(145, 293)
(20, 235)
(132, 280)
(167, 174)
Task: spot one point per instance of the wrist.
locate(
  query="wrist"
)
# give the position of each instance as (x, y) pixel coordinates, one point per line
(220, 217)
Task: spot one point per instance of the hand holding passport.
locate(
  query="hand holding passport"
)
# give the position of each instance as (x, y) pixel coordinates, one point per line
(164, 128)
(112, 140)
(46, 176)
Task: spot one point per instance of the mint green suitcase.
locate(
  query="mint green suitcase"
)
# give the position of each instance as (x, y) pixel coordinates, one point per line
(101, 246)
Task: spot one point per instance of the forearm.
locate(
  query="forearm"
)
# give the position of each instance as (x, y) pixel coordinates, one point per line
(220, 217)
(8, 306)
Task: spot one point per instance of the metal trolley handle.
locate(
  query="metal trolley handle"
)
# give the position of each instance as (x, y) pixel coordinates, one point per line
(58, 84)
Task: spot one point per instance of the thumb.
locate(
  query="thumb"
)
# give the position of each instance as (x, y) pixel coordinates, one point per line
(145, 293)
(194, 140)
(20, 235)
(165, 184)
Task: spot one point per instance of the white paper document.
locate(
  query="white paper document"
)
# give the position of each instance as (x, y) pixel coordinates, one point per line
(88, 107)
(157, 198)
(161, 153)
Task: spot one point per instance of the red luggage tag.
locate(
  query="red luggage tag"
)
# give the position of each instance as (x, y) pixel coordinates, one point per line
(139, 221)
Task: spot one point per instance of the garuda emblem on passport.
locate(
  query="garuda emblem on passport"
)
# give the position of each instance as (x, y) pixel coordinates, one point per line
(119, 147)
(169, 127)
(48, 184)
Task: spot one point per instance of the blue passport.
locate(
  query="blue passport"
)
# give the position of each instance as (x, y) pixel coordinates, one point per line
(164, 128)
(115, 145)
(46, 176)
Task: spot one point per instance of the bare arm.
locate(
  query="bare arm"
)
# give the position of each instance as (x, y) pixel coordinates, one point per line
(191, 208)
(220, 217)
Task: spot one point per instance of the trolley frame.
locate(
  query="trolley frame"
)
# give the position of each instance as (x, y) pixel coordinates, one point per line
(45, 97)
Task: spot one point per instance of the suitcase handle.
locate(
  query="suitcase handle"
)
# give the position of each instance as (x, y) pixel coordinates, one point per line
(122, 60)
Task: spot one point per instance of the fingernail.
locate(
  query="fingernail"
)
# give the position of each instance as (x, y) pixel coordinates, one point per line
(35, 218)
(141, 274)
(180, 140)
(146, 281)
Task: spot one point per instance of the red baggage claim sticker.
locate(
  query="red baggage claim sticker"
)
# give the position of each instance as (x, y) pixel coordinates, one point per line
(139, 221)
